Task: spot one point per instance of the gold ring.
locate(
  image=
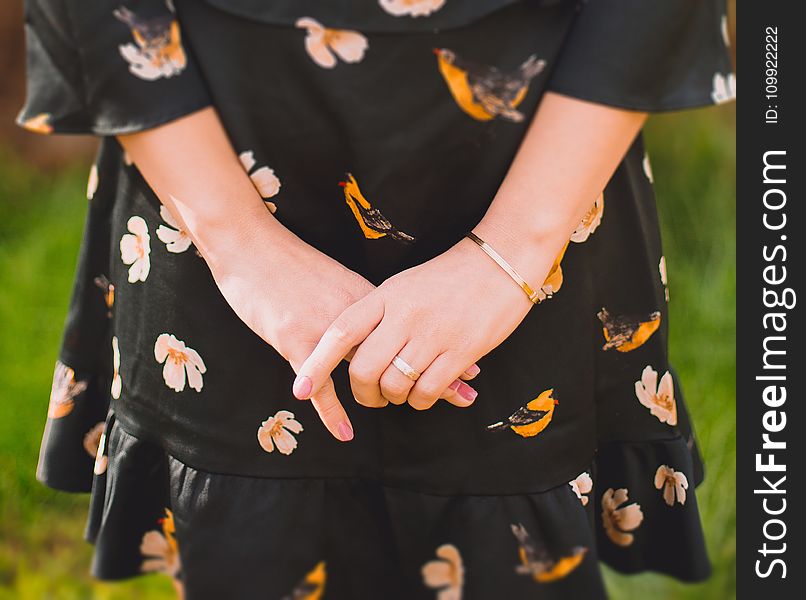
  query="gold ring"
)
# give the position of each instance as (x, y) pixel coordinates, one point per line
(405, 368)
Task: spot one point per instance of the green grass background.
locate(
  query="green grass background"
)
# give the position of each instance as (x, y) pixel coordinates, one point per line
(42, 553)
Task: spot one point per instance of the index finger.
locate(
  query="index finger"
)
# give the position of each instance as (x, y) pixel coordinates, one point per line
(332, 413)
(349, 329)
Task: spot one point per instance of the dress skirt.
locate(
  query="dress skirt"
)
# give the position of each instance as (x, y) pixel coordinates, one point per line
(380, 138)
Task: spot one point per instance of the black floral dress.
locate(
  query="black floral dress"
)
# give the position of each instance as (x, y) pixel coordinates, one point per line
(378, 131)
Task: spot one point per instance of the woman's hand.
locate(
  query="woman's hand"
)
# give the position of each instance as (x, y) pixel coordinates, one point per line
(289, 293)
(460, 305)
(282, 288)
(438, 317)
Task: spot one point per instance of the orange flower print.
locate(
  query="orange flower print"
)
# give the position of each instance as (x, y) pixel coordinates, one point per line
(175, 238)
(539, 563)
(674, 484)
(724, 88)
(313, 586)
(324, 45)
(663, 279)
(531, 419)
(157, 51)
(591, 220)
(372, 223)
(627, 333)
(554, 280)
(619, 522)
(117, 383)
(92, 182)
(135, 248)
(658, 398)
(160, 549)
(411, 8)
(263, 178)
(39, 123)
(582, 485)
(648, 168)
(277, 431)
(179, 360)
(446, 573)
(63, 391)
(484, 92)
(108, 289)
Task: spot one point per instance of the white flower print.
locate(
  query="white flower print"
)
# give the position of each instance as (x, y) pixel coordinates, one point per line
(590, 221)
(412, 8)
(277, 432)
(658, 398)
(674, 484)
(582, 485)
(179, 359)
(648, 168)
(135, 248)
(95, 444)
(157, 51)
(447, 573)
(92, 182)
(618, 522)
(324, 45)
(64, 389)
(175, 238)
(263, 178)
(663, 280)
(117, 383)
(724, 88)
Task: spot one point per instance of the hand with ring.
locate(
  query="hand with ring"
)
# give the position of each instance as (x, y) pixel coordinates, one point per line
(413, 337)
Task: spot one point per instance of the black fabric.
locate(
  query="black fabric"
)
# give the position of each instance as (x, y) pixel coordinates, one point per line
(79, 81)
(210, 458)
(648, 56)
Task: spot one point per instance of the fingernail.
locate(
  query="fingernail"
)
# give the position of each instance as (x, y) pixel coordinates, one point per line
(345, 431)
(455, 385)
(467, 392)
(302, 387)
(473, 370)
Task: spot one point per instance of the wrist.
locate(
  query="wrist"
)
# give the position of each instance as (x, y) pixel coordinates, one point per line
(530, 256)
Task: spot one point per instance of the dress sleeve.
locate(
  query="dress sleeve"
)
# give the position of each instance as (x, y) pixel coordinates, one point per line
(647, 55)
(106, 67)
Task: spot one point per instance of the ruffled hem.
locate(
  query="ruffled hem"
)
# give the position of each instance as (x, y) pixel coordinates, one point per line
(365, 534)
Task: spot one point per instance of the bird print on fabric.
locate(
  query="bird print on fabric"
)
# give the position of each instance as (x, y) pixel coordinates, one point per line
(626, 333)
(312, 587)
(159, 51)
(531, 419)
(539, 563)
(484, 92)
(372, 222)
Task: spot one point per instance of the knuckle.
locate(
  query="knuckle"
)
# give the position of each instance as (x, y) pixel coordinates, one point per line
(362, 373)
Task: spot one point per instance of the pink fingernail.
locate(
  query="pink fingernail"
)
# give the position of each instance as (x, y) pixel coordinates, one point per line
(345, 431)
(473, 370)
(467, 392)
(302, 387)
(455, 385)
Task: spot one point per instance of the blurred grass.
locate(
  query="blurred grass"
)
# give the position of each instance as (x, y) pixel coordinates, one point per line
(42, 554)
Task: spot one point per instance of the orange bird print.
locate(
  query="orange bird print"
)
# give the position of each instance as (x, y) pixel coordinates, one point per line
(531, 419)
(312, 587)
(627, 333)
(539, 564)
(158, 52)
(372, 222)
(484, 92)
